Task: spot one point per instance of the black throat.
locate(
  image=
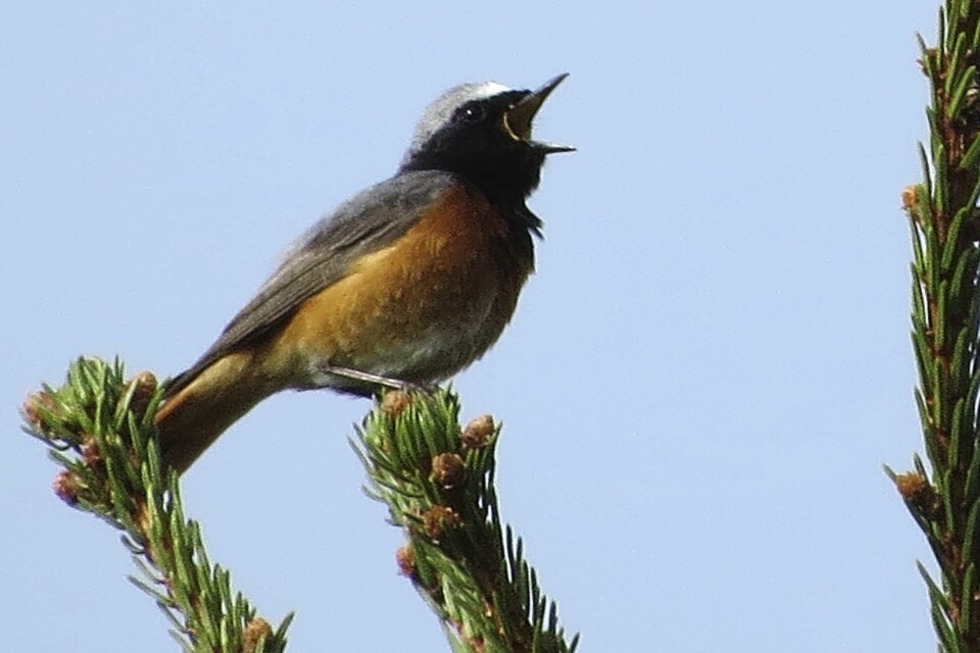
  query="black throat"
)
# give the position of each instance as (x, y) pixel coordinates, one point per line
(474, 142)
(506, 176)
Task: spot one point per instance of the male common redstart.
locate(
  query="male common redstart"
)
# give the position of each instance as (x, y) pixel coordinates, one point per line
(408, 282)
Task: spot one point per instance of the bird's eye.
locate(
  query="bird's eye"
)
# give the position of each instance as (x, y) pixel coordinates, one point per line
(471, 113)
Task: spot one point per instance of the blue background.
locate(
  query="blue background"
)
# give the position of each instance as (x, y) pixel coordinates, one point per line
(699, 388)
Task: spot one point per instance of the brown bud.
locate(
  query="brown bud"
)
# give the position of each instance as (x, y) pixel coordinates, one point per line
(437, 520)
(145, 385)
(34, 407)
(911, 485)
(919, 494)
(478, 432)
(395, 402)
(910, 197)
(254, 631)
(90, 451)
(67, 486)
(405, 558)
(448, 470)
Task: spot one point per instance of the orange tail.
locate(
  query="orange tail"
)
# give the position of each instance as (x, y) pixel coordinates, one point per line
(203, 407)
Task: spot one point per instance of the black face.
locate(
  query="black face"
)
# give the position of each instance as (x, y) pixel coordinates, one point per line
(476, 144)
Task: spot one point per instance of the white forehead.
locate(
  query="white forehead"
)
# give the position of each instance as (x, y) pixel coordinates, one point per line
(481, 90)
(439, 112)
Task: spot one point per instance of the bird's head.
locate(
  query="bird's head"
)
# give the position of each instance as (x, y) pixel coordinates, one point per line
(483, 132)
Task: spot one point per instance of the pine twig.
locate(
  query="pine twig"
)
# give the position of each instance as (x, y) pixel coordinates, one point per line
(100, 429)
(942, 210)
(437, 481)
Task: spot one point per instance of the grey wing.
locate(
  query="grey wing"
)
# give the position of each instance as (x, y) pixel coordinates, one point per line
(369, 221)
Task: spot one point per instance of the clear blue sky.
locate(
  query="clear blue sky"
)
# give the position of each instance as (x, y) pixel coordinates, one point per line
(699, 388)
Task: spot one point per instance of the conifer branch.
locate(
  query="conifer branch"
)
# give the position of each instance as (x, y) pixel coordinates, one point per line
(437, 481)
(100, 429)
(944, 497)
(436, 478)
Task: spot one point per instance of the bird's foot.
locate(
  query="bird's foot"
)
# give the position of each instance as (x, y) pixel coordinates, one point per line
(377, 380)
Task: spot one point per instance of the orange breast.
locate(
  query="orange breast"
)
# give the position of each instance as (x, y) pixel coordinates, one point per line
(419, 310)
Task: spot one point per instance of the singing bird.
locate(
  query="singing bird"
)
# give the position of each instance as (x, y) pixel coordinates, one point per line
(406, 283)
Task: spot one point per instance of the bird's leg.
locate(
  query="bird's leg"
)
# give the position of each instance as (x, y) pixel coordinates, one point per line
(361, 375)
(374, 379)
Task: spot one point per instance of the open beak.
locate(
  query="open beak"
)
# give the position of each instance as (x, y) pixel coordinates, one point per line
(518, 119)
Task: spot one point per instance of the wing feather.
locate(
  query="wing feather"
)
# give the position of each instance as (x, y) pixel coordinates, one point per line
(369, 221)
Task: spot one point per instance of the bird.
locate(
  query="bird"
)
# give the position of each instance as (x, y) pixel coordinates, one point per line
(404, 284)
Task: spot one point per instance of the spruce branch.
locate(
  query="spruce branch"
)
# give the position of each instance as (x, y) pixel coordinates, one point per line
(943, 215)
(99, 428)
(436, 478)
